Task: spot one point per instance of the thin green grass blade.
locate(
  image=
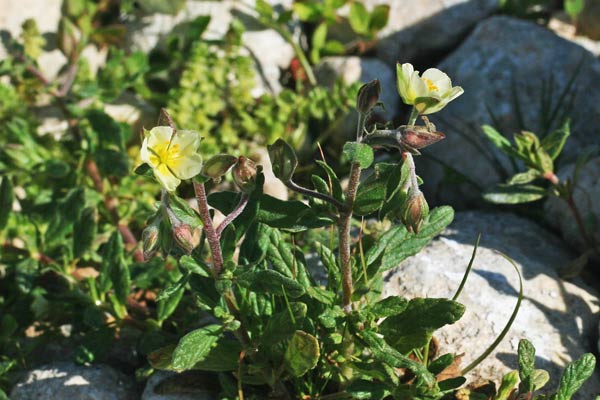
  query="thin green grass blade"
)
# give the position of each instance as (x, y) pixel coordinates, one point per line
(500, 337)
(468, 271)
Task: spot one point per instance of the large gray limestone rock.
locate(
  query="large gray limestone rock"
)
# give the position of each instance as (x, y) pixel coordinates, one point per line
(506, 58)
(417, 28)
(560, 318)
(356, 69)
(587, 200)
(63, 380)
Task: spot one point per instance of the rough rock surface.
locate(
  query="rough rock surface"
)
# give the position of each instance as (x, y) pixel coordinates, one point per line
(421, 27)
(560, 318)
(64, 380)
(503, 55)
(164, 385)
(587, 199)
(355, 69)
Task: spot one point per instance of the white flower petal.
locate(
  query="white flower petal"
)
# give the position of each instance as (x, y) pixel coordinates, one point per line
(166, 178)
(159, 135)
(453, 93)
(439, 79)
(187, 167)
(188, 141)
(145, 153)
(418, 87)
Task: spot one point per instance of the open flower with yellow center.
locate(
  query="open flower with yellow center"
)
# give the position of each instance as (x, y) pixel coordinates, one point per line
(429, 92)
(173, 157)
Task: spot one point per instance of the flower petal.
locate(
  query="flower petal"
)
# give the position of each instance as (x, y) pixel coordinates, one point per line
(145, 153)
(439, 79)
(188, 141)
(454, 93)
(159, 135)
(187, 167)
(166, 178)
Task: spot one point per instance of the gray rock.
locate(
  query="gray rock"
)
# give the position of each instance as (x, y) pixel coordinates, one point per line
(164, 385)
(356, 69)
(501, 58)
(63, 380)
(558, 317)
(417, 28)
(561, 24)
(587, 199)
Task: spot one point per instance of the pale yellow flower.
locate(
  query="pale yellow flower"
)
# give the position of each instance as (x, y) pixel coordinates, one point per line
(172, 157)
(429, 92)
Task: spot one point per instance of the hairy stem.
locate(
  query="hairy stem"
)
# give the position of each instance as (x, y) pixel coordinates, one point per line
(312, 193)
(344, 237)
(233, 215)
(209, 229)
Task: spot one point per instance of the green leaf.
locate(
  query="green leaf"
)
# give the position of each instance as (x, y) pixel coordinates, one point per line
(404, 244)
(302, 353)
(575, 374)
(168, 304)
(121, 280)
(283, 159)
(143, 170)
(574, 7)
(441, 363)
(307, 12)
(269, 281)
(293, 215)
(526, 358)
(451, 384)
(524, 177)
(555, 141)
(112, 162)
(193, 266)
(359, 18)
(224, 356)
(371, 195)
(336, 186)
(195, 346)
(384, 352)
(333, 47)
(413, 328)
(264, 9)
(500, 141)
(108, 131)
(319, 36)
(283, 324)
(286, 260)
(5, 366)
(363, 389)
(392, 305)
(6, 200)
(514, 194)
(359, 153)
(379, 17)
(84, 231)
(184, 212)
(509, 381)
(540, 378)
(329, 261)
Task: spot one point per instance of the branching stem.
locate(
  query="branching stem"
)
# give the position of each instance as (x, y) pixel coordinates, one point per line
(233, 215)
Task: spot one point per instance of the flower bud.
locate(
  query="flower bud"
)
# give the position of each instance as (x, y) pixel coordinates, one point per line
(368, 96)
(414, 210)
(415, 137)
(244, 174)
(217, 166)
(150, 236)
(186, 237)
(283, 160)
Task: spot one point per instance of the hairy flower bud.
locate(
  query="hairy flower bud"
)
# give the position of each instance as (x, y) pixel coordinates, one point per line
(186, 237)
(150, 236)
(244, 174)
(368, 96)
(218, 165)
(414, 210)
